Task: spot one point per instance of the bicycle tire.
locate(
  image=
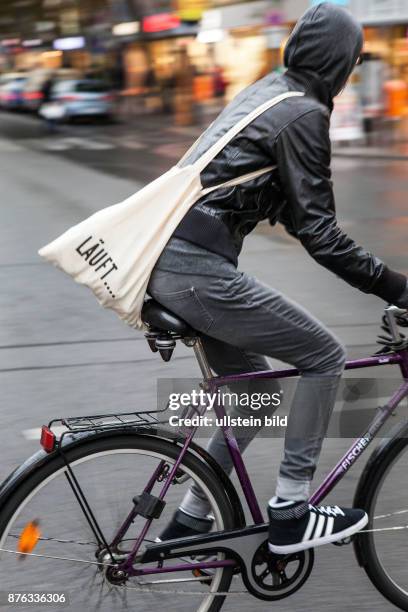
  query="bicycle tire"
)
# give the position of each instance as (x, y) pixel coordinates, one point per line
(366, 541)
(144, 443)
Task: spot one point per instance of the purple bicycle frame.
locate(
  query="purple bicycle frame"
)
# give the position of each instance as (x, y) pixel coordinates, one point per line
(359, 445)
(335, 475)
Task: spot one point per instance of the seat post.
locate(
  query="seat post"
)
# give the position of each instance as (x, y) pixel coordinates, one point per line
(202, 359)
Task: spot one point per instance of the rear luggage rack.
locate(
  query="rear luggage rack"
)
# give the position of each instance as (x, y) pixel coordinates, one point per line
(101, 422)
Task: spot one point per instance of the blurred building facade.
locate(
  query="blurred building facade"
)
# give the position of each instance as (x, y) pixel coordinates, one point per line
(176, 53)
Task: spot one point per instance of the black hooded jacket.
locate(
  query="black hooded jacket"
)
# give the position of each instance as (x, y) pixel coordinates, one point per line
(319, 56)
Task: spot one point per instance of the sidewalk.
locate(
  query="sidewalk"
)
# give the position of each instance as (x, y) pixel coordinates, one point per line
(164, 123)
(397, 151)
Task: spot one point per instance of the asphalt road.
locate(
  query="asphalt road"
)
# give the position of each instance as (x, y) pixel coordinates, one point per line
(61, 354)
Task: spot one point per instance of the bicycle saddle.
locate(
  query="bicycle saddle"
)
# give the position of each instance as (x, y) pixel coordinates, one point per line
(159, 318)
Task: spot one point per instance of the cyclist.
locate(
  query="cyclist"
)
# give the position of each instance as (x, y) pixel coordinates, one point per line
(240, 318)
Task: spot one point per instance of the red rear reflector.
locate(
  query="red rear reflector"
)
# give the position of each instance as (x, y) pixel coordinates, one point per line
(47, 439)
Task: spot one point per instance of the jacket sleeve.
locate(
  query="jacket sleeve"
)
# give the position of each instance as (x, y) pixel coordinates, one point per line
(303, 159)
(284, 219)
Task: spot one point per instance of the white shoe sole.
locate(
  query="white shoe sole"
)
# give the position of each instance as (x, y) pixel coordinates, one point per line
(334, 537)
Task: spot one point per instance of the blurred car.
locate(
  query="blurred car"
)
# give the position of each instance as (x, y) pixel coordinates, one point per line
(34, 86)
(12, 93)
(6, 77)
(79, 98)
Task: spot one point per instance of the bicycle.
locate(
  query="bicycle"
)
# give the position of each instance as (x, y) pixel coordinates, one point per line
(83, 501)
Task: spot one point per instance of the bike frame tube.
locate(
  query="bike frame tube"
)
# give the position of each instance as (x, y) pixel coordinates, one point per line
(132, 514)
(127, 566)
(369, 362)
(238, 462)
(359, 446)
(184, 567)
(338, 472)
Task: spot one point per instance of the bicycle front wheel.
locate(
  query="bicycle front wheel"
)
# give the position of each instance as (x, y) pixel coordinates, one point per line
(384, 542)
(111, 471)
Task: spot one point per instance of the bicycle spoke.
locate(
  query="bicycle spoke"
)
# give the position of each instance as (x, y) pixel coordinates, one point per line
(26, 554)
(70, 550)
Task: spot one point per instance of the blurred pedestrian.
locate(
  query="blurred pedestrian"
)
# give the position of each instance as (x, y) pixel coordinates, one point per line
(151, 92)
(167, 87)
(183, 98)
(48, 111)
(396, 103)
(219, 82)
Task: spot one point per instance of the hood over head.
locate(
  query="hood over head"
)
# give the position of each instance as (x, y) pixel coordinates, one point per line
(327, 41)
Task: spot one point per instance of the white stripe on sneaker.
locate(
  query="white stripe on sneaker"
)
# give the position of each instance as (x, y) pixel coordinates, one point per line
(334, 537)
(329, 527)
(319, 527)
(309, 528)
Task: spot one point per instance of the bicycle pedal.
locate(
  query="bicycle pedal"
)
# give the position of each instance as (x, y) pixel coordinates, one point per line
(198, 573)
(205, 575)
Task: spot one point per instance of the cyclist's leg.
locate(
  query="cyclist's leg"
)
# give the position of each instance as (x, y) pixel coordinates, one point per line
(261, 319)
(237, 308)
(226, 359)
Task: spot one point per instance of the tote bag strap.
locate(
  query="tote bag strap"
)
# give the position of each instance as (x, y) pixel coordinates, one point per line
(250, 176)
(213, 151)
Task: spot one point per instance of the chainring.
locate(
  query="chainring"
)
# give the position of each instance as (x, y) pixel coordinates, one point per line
(278, 576)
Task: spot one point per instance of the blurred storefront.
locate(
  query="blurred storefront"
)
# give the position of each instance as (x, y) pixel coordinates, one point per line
(208, 49)
(153, 62)
(384, 74)
(378, 91)
(239, 37)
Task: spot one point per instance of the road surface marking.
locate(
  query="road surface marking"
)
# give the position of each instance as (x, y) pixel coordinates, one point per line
(66, 143)
(130, 143)
(85, 143)
(7, 146)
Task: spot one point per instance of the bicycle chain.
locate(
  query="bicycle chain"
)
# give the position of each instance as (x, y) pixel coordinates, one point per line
(138, 588)
(45, 539)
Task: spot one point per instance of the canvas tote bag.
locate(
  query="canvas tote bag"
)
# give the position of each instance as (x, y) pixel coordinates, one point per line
(114, 251)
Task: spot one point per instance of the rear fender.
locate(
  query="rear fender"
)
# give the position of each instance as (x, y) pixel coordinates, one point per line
(40, 458)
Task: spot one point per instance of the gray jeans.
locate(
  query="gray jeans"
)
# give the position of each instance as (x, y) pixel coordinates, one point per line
(241, 321)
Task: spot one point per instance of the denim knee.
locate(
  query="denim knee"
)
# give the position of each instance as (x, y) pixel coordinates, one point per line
(330, 359)
(339, 358)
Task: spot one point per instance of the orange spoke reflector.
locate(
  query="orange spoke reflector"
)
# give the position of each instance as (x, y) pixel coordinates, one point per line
(29, 537)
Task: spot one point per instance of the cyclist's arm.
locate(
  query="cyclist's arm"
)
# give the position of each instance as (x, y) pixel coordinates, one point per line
(285, 220)
(303, 158)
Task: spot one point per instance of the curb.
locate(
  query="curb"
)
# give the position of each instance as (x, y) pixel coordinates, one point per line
(369, 155)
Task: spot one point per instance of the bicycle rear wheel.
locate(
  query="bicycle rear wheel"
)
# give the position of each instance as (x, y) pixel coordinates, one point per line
(111, 472)
(384, 549)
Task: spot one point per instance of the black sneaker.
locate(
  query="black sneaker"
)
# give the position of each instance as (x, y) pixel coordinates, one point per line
(183, 525)
(295, 526)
